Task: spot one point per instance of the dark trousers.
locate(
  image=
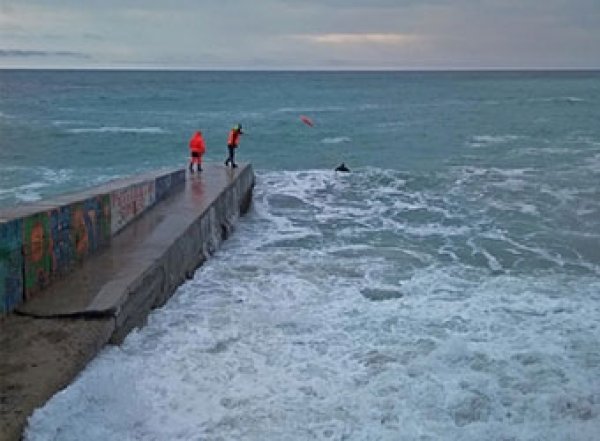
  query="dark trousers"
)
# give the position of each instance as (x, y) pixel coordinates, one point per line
(231, 158)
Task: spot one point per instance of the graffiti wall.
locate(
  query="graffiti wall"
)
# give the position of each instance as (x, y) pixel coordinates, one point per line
(90, 226)
(128, 203)
(46, 245)
(54, 241)
(37, 255)
(11, 265)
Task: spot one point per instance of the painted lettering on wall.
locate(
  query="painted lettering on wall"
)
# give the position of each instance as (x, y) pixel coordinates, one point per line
(128, 203)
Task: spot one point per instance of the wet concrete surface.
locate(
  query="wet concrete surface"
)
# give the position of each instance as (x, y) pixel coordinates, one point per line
(97, 287)
(52, 337)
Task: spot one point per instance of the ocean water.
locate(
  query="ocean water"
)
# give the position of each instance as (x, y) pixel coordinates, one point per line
(448, 288)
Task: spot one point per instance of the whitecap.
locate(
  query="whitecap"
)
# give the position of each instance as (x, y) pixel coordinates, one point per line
(269, 341)
(486, 140)
(558, 99)
(114, 129)
(61, 122)
(311, 109)
(28, 196)
(336, 140)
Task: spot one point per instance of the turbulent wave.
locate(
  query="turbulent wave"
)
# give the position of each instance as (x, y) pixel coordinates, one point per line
(368, 306)
(23, 189)
(446, 288)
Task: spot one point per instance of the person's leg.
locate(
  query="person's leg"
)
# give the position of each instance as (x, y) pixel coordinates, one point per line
(233, 164)
(199, 163)
(228, 160)
(231, 156)
(193, 160)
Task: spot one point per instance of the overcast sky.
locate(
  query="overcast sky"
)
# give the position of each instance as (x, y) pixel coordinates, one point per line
(300, 34)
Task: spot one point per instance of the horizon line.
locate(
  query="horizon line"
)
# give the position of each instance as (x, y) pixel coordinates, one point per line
(311, 69)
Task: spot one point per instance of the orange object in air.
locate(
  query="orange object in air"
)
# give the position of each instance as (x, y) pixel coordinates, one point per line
(197, 143)
(306, 120)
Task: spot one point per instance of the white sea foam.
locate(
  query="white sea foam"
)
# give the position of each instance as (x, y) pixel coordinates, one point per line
(325, 109)
(57, 176)
(558, 99)
(24, 193)
(315, 109)
(489, 140)
(49, 179)
(294, 332)
(112, 129)
(336, 140)
(60, 123)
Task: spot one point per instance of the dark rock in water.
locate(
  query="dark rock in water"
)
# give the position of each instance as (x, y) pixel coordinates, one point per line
(378, 295)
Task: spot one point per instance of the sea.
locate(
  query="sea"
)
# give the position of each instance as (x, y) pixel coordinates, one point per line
(446, 288)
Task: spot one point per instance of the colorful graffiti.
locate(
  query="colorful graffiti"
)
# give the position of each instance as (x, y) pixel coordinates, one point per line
(130, 202)
(61, 244)
(90, 223)
(54, 241)
(36, 253)
(11, 265)
(47, 245)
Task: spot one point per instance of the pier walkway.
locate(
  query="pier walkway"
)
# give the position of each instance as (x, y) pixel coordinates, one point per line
(51, 338)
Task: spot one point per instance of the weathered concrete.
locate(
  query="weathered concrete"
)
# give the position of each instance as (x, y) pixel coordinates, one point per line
(42, 242)
(113, 291)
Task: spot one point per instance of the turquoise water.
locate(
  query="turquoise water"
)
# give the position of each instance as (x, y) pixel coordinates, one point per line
(447, 288)
(63, 130)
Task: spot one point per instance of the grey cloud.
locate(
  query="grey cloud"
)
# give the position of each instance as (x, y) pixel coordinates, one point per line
(224, 33)
(345, 4)
(93, 36)
(18, 53)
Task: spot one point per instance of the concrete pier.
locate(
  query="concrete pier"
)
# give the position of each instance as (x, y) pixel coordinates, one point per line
(53, 335)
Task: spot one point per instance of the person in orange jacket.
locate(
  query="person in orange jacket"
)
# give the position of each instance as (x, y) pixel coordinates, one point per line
(197, 149)
(232, 143)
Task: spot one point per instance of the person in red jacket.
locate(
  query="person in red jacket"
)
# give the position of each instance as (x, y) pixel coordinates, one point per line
(197, 149)
(232, 143)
